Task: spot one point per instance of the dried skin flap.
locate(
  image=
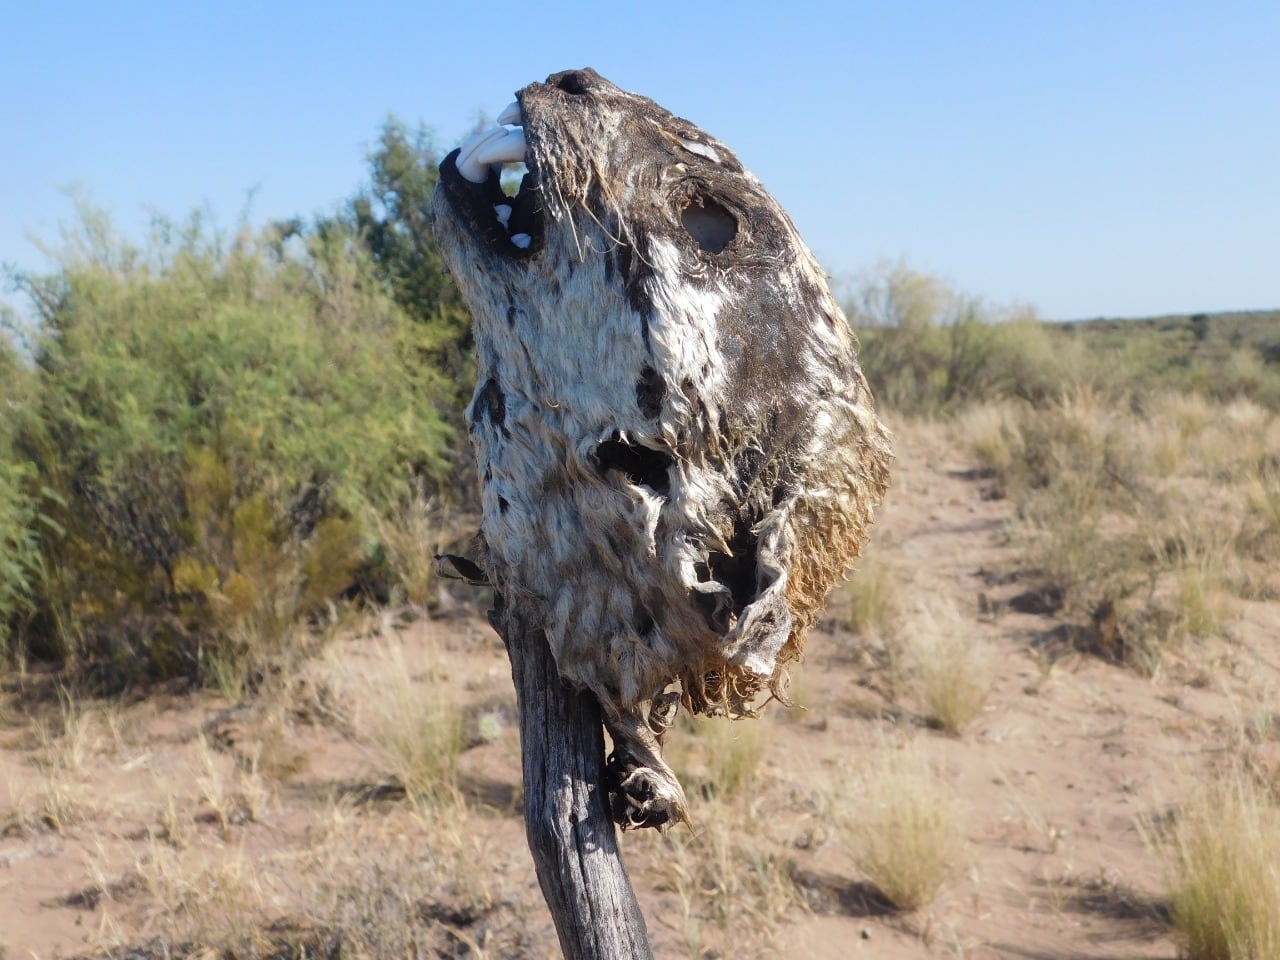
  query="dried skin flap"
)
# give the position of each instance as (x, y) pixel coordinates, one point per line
(678, 450)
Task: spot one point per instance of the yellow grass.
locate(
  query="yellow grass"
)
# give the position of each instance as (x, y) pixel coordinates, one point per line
(872, 596)
(407, 713)
(952, 671)
(900, 823)
(731, 879)
(1223, 862)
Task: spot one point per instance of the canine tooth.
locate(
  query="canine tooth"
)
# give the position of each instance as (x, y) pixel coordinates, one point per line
(511, 114)
(521, 240)
(506, 149)
(503, 210)
(469, 165)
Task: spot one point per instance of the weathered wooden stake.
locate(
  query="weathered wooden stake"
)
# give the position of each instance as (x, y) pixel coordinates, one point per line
(572, 837)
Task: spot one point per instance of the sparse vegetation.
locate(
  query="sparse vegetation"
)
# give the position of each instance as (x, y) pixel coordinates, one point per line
(871, 597)
(217, 451)
(727, 876)
(900, 822)
(1222, 852)
(405, 711)
(951, 671)
(722, 756)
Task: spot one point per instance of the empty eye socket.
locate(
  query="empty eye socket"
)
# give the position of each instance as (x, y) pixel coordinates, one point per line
(571, 82)
(711, 225)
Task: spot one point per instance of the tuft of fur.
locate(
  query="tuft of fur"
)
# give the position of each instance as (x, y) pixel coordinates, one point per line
(679, 452)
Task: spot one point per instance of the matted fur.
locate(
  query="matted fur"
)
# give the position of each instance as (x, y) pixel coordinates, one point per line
(678, 450)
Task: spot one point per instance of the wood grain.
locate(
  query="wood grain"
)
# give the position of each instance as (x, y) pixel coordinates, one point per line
(572, 838)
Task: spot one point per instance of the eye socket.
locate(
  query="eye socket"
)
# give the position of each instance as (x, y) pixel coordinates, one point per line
(571, 82)
(711, 225)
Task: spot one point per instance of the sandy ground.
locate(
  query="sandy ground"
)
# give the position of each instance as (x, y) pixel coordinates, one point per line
(1054, 778)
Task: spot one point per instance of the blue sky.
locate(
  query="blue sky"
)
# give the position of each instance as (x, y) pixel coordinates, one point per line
(1113, 158)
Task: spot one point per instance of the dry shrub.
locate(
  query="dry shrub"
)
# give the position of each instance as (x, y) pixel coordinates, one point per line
(405, 710)
(951, 671)
(1223, 861)
(1138, 513)
(991, 434)
(1239, 442)
(407, 535)
(1203, 606)
(899, 820)
(1079, 436)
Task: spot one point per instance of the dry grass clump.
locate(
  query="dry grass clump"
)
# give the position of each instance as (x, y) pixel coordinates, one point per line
(899, 820)
(404, 884)
(718, 758)
(221, 899)
(735, 887)
(951, 672)
(1141, 514)
(232, 800)
(406, 711)
(1223, 861)
(66, 744)
(871, 597)
(406, 536)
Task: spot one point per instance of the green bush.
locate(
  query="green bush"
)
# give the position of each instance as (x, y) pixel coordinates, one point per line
(19, 541)
(216, 419)
(927, 350)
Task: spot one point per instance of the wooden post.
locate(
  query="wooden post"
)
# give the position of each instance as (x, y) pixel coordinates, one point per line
(570, 832)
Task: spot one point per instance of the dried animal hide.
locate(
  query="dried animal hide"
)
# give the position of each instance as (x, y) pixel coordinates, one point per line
(678, 450)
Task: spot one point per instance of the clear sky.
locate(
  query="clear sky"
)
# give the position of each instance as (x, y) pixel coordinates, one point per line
(1117, 158)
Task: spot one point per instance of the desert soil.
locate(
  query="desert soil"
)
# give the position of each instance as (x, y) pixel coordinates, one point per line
(1055, 778)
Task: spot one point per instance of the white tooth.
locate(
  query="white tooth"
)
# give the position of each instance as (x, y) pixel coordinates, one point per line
(511, 114)
(521, 240)
(468, 164)
(503, 211)
(508, 149)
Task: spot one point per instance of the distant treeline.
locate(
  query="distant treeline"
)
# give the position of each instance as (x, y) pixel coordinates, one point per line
(928, 349)
(213, 438)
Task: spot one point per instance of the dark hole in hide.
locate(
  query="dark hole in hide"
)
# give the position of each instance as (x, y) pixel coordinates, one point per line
(738, 572)
(711, 225)
(490, 402)
(651, 390)
(572, 82)
(641, 619)
(642, 466)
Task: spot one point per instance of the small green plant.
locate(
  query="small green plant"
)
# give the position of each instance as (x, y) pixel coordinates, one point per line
(20, 560)
(215, 421)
